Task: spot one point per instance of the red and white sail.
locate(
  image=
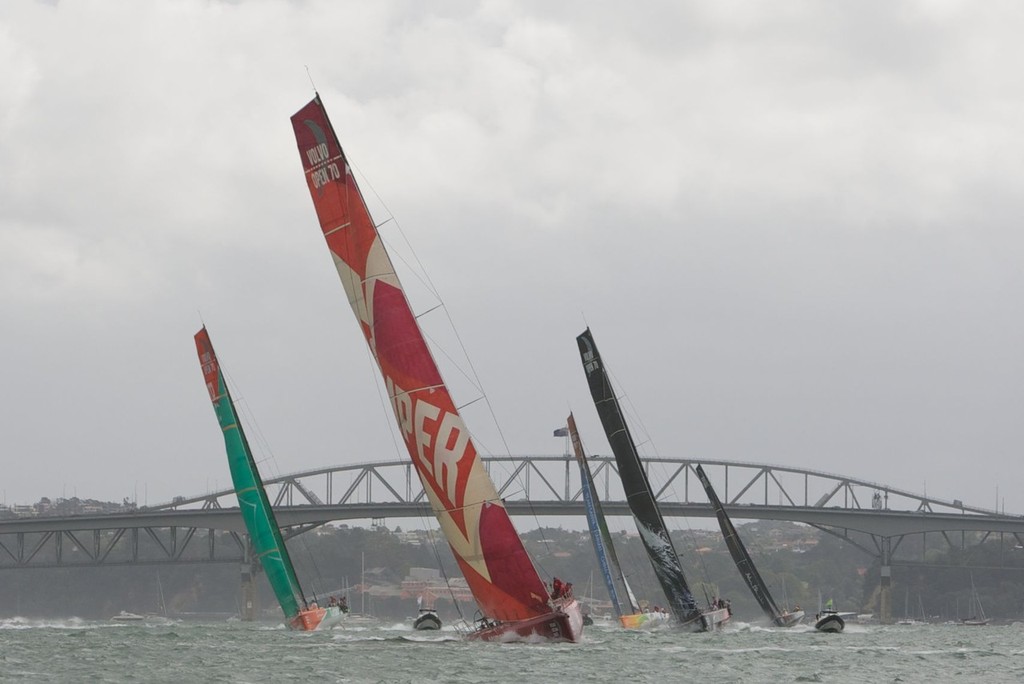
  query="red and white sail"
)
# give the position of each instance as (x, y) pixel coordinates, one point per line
(492, 558)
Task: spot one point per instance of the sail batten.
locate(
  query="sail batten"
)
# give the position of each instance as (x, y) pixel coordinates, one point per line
(497, 568)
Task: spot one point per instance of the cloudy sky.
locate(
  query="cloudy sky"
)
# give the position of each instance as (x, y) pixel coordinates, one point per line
(793, 228)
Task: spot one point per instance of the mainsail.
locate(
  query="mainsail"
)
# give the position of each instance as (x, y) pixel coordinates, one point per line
(607, 559)
(252, 498)
(490, 554)
(639, 495)
(743, 561)
(605, 550)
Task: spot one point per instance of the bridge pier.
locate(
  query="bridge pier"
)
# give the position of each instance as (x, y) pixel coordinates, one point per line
(248, 579)
(248, 593)
(885, 587)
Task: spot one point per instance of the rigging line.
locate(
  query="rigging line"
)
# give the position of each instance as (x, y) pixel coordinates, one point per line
(427, 522)
(444, 574)
(424, 313)
(635, 417)
(476, 375)
(261, 440)
(241, 404)
(417, 269)
(386, 405)
(468, 403)
(271, 460)
(436, 346)
(310, 77)
(426, 280)
(425, 276)
(316, 568)
(395, 254)
(481, 502)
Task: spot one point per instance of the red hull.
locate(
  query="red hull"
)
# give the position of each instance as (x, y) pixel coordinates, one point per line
(565, 623)
(308, 620)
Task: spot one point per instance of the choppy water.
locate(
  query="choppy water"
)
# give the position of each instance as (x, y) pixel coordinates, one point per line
(86, 651)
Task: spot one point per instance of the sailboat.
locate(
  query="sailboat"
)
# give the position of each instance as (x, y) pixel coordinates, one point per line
(607, 559)
(642, 503)
(513, 600)
(267, 542)
(977, 618)
(908, 619)
(745, 564)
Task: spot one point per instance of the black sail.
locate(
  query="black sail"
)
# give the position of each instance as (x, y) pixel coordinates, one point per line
(739, 554)
(639, 495)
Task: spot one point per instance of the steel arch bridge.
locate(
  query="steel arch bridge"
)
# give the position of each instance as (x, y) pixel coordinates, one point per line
(875, 517)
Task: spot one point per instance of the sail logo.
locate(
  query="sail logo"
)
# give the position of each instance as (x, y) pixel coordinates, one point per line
(589, 355)
(317, 155)
(322, 169)
(209, 365)
(325, 175)
(438, 438)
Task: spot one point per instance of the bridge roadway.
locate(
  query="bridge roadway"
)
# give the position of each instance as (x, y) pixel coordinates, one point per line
(881, 523)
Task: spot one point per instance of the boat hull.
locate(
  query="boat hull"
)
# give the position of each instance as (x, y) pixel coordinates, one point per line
(789, 619)
(427, 620)
(564, 623)
(317, 618)
(830, 622)
(714, 619)
(645, 620)
(125, 616)
(706, 621)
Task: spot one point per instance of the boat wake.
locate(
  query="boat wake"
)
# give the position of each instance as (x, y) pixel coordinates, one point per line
(66, 623)
(393, 638)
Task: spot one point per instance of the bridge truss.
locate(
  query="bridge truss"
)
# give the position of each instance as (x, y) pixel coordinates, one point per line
(208, 529)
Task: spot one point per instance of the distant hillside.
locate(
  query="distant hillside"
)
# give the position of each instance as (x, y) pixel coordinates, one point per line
(798, 562)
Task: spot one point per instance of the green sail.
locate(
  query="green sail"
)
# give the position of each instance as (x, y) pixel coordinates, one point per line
(252, 497)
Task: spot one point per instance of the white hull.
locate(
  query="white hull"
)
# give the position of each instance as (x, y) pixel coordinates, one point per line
(829, 622)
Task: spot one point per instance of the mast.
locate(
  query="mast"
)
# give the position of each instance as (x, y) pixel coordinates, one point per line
(490, 554)
(744, 563)
(252, 497)
(607, 559)
(642, 504)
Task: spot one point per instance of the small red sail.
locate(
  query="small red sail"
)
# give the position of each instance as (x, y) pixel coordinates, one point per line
(496, 566)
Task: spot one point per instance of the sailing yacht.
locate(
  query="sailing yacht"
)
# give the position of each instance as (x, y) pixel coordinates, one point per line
(977, 618)
(745, 564)
(513, 600)
(267, 542)
(908, 619)
(642, 503)
(607, 559)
